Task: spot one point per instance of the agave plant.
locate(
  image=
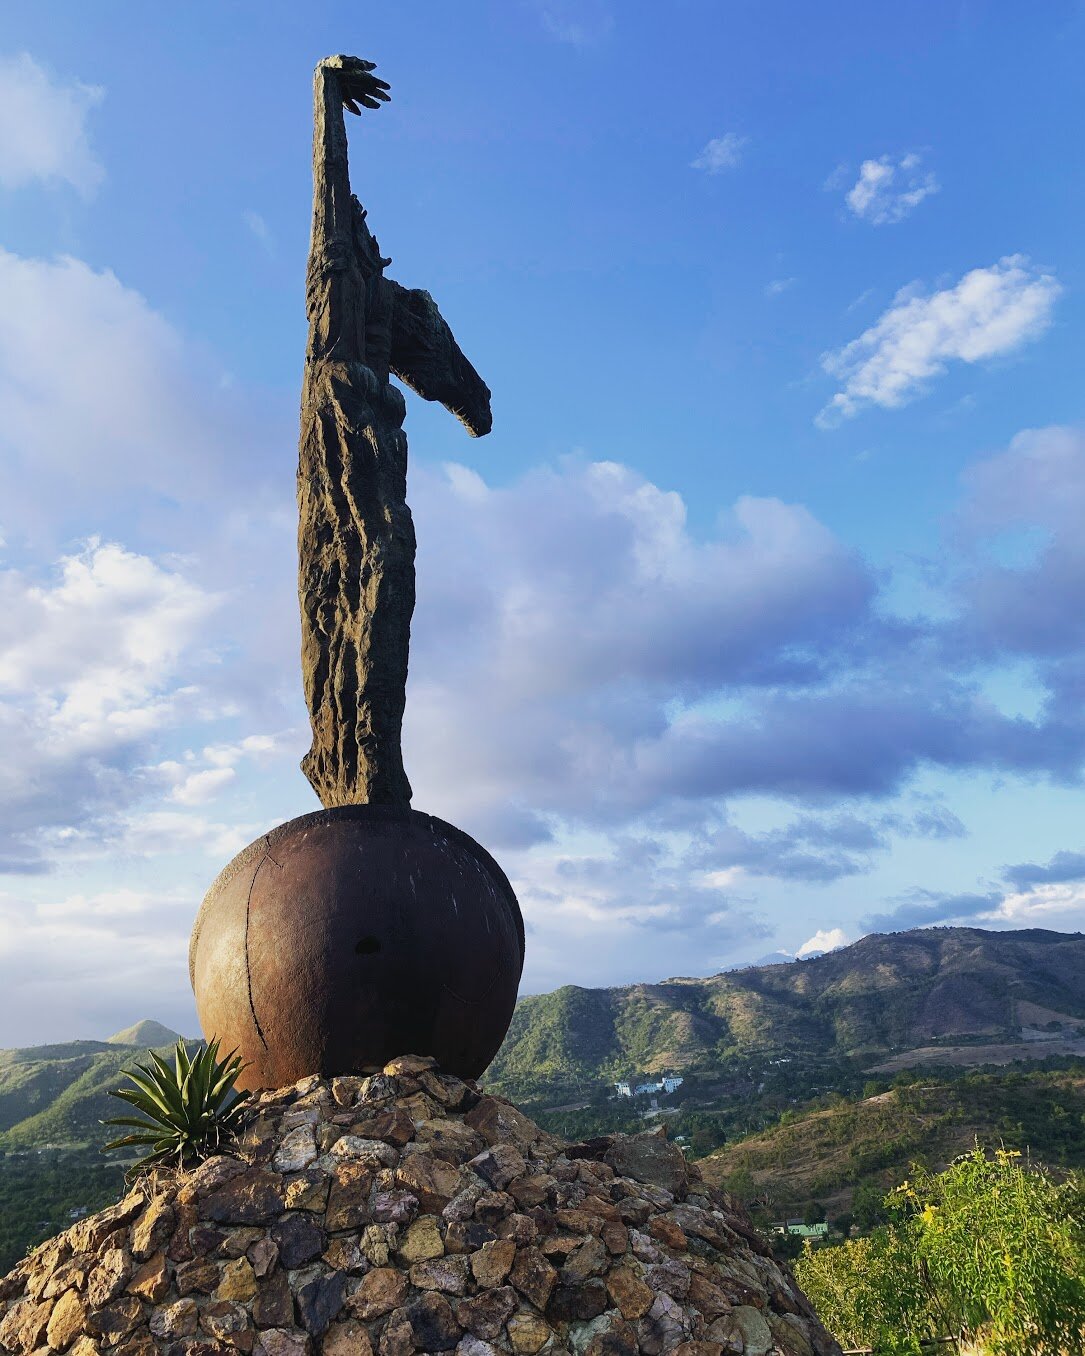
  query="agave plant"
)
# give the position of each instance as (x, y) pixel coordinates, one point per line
(186, 1112)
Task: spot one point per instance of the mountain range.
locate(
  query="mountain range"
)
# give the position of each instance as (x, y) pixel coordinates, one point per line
(59, 1094)
(931, 995)
(819, 1078)
(961, 996)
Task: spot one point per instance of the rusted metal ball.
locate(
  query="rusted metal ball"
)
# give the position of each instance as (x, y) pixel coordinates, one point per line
(349, 936)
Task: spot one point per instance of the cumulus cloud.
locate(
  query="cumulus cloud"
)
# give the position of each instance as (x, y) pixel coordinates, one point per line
(581, 657)
(1048, 895)
(721, 153)
(624, 911)
(989, 313)
(165, 832)
(1063, 867)
(552, 640)
(89, 660)
(865, 737)
(825, 939)
(1021, 581)
(931, 908)
(53, 956)
(43, 127)
(938, 821)
(888, 189)
(593, 681)
(1060, 906)
(1039, 481)
(821, 848)
(106, 410)
(815, 849)
(201, 777)
(100, 633)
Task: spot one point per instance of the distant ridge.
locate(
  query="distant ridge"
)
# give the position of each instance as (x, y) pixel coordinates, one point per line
(59, 1094)
(932, 996)
(146, 1034)
(897, 998)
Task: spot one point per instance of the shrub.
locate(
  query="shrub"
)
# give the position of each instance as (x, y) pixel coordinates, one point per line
(990, 1250)
(1004, 1249)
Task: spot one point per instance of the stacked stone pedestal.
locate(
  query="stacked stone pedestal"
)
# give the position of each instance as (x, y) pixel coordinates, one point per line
(408, 1212)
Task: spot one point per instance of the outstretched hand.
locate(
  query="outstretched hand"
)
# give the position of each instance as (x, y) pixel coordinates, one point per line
(357, 83)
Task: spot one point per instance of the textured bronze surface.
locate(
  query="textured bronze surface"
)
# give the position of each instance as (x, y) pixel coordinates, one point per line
(356, 540)
(346, 936)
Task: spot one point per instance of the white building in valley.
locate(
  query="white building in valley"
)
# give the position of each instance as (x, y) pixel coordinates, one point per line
(667, 1084)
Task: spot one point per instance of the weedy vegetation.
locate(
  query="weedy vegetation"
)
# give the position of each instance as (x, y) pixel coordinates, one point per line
(990, 1252)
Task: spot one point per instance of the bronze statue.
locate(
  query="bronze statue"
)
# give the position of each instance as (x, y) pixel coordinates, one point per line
(346, 937)
(356, 540)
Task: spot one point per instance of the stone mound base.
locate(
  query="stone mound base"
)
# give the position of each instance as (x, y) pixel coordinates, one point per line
(408, 1212)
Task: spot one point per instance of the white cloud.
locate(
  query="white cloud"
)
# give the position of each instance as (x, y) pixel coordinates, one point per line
(102, 397)
(201, 778)
(590, 676)
(888, 189)
(43, 132)
(778, 286)
(252, 746)
(1060, 905)
(53, 957)
(162, 832)
(89, 677)
(831, 939)
(721, 153)
(552, 640)
(622, 910)
(580, 23)
(988, 313)
(261, 231)
(199, 787)
(99, 636)
(837, 179)
(1039, 481)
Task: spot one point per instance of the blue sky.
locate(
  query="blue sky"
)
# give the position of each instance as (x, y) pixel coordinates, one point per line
(753, 626)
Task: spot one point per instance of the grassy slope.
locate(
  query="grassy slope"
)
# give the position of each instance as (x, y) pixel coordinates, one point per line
(871, 1002)
(29, 1086)
(59, 1095)
(824, 1154)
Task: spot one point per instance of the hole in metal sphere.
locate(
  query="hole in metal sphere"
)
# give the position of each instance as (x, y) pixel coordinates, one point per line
(368, 946)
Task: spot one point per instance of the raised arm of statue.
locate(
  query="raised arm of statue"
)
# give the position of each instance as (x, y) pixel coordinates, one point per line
(339, 82)
(343, 256)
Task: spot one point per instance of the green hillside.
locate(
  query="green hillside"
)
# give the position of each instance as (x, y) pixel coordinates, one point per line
(869, 1144)
(52, 1101)
(32, 1080)
(761, 1050)
(57, 1095)
(146, 1034)
(887, 997)
(936, 995)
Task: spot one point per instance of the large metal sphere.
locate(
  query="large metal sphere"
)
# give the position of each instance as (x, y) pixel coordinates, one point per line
(347, 937)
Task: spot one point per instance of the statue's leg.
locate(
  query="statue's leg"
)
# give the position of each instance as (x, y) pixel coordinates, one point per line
(356, 587)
